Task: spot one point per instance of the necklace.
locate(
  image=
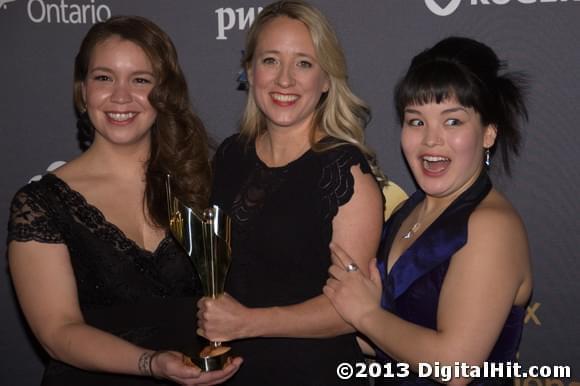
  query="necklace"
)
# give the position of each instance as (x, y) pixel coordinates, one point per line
(417, 225)
(411, 232)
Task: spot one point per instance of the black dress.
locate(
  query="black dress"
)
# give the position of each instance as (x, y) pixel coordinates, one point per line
(282, 226)
(147, 298)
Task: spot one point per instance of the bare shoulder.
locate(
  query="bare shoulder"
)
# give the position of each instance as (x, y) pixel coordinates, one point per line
(497, 247)
(497, 236)
(366, 200)
(73, 172)
(365, 181)
(496, 216)
(496, 228)
(81, 175)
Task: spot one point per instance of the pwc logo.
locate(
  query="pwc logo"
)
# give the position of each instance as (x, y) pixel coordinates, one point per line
(438, 10)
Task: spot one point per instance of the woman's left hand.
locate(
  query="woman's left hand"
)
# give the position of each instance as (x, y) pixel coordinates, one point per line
(351, 293)
(223, 319)
(171, 365)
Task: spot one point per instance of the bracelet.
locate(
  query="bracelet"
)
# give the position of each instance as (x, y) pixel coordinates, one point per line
(144, 363)
(156, 353)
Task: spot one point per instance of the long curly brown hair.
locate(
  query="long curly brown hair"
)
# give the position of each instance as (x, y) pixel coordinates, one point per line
(179, 142)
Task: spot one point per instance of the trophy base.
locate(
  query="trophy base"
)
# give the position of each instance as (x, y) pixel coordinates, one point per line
(211, 358)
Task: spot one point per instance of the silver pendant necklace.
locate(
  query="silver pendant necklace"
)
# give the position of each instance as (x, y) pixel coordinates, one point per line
(417, 225)
(411, 232)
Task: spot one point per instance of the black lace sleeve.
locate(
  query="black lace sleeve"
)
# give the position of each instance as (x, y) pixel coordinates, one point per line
(31, 216)
(337, 181)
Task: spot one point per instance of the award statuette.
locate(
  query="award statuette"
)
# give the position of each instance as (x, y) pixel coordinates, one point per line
(207, 241)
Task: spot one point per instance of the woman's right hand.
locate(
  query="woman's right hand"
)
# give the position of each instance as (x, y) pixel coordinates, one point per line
(224, 319)
(352, 294)
(171, 365)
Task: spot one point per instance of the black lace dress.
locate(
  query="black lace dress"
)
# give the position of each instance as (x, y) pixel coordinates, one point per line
(147, 298)
(282, 226)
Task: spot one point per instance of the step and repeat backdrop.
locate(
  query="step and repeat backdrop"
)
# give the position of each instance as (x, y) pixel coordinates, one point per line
(39, 39)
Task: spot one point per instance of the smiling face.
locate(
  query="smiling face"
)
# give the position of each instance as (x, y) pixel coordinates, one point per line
(444, 145)
(116, 90)
(285, 77)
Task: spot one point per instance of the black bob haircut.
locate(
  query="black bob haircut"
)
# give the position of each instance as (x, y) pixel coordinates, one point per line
(468, 71)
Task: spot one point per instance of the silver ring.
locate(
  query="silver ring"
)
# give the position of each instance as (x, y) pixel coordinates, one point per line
(351, 267)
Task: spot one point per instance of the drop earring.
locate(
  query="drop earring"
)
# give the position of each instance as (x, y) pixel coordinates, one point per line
(487, 160)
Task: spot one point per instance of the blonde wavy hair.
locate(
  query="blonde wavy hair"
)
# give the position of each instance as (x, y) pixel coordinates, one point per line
(339, 113)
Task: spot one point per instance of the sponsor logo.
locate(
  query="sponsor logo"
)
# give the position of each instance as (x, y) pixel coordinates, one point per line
(452, 5)
(41, 11)
(4, 3)
(532, 314)
(434, 7)
(63, 12)
(53, 166)
(229, 18)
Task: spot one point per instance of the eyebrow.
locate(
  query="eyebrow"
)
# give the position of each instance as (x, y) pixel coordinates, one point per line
(455, 109)
(446, 111)
(107, 69)
(296, 54)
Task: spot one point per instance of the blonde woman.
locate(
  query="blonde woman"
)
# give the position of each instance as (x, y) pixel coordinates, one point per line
(296, 177)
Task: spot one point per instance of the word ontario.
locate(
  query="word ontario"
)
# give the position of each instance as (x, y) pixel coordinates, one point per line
(40, 11)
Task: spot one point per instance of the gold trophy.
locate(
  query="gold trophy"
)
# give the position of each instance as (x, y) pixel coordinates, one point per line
(207, 241)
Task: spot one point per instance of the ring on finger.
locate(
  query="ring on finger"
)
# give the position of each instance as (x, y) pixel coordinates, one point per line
(351, 267)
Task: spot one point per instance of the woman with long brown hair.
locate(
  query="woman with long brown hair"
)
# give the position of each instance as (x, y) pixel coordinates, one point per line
(104, 288)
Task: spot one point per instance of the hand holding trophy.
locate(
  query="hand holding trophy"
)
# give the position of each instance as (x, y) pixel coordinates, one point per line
(207, 241)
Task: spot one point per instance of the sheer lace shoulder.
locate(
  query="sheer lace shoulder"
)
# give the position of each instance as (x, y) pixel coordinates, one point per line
(337, 181)
(31, 215)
